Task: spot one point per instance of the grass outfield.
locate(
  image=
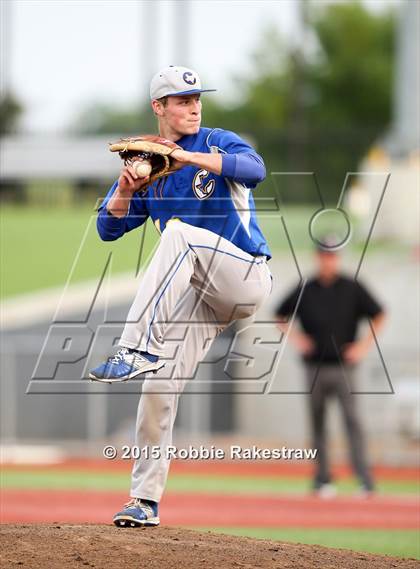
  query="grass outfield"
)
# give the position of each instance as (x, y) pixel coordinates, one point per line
(53, 238)
(85, 480)
(399, 543)
(48, 241)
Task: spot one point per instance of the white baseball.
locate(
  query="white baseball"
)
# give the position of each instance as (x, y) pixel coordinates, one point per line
(142, 169)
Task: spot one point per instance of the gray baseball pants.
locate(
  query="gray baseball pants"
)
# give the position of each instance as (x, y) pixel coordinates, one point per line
(196, 284)
(323, 383)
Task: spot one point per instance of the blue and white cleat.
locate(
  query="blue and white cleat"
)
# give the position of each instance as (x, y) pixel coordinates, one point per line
(137, 513)
(125, 365)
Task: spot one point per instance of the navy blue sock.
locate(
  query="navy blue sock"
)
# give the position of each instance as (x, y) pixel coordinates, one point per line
(149, 502)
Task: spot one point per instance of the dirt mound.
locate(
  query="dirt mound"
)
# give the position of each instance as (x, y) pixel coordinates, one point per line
(102, 546)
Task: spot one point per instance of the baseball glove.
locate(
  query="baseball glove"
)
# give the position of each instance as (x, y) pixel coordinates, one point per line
(147, 148)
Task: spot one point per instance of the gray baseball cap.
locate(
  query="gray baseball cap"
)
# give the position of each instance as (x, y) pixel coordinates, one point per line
(175, 80)
(329, 243)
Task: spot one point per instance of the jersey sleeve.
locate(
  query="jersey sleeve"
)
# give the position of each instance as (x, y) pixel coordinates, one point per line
(288, 304)
(240, 162)
(111, 227)
(367, 304)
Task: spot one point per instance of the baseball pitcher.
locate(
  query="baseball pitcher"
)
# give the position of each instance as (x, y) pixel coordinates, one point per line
(209, 269)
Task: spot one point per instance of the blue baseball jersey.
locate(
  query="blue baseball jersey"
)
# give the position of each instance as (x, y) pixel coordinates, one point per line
(223, 203)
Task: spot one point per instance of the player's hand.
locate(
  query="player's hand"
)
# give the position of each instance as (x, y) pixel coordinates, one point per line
(304, 344)
(129, 182)
(354, 352)
(181, 158)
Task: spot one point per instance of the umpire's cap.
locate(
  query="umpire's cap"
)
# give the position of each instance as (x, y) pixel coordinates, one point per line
(329, 243)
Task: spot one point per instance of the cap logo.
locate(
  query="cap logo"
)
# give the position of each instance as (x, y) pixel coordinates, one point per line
(189, 78)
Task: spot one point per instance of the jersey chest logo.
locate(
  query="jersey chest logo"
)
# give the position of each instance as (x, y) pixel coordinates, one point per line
(201, 188)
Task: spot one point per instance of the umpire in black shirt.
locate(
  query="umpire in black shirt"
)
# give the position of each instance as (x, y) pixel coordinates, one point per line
(329, 309)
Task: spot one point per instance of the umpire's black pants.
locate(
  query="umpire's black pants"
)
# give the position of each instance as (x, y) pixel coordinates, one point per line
(324, 382)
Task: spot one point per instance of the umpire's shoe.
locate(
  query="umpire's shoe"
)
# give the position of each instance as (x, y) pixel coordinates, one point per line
(125, 365)
(138, 513)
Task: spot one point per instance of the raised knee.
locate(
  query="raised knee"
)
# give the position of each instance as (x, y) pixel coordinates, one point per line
(174, 228)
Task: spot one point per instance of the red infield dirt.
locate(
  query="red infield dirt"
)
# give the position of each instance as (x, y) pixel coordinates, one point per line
(61, 546)
(187, 509)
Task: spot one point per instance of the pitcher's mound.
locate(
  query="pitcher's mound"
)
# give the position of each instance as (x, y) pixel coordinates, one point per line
(101, 546)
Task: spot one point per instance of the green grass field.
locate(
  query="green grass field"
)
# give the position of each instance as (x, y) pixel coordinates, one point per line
(403, 543)
(42, 247)
(85, 480)
(398, 543)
